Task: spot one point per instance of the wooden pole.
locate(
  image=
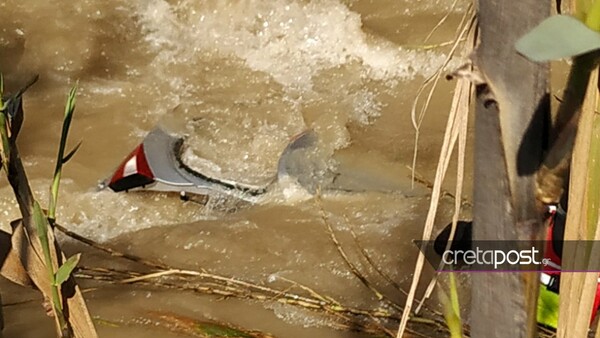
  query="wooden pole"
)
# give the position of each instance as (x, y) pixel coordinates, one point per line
(512, 108)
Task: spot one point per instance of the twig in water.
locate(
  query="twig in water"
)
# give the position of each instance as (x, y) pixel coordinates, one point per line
(351, 265)
(366, 256)
(205, 283)
(110, 251)
(429, 185)
(312, 292)
(441, 21)
(432, 46)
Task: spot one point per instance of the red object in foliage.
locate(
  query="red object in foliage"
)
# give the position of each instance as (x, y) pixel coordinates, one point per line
(554, 267)
(133, 172)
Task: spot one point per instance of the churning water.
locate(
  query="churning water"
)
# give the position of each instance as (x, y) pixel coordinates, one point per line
(237, 79)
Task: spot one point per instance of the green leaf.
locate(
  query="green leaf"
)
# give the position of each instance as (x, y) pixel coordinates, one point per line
(60, 158)
(558, 37)
(71, 153)
(65, 270)
(41, 223)
(452, 310)
(547, 307)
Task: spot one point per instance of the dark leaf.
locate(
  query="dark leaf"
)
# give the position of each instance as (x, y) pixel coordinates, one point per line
(71, 153)
(14, 108)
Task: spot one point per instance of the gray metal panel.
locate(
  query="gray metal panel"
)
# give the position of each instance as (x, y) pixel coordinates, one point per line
(292, 160)
(159, 150)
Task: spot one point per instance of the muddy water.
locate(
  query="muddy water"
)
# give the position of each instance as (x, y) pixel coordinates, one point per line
(237, 79)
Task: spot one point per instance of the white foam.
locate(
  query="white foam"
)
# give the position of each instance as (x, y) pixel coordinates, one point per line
(104, 215)
(314, 54)
(366, 106)
(289, 40)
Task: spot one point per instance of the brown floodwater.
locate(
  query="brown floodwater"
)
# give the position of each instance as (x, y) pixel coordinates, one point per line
(237, 79)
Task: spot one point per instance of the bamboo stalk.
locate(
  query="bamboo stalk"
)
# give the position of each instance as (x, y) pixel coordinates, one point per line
(577, 290)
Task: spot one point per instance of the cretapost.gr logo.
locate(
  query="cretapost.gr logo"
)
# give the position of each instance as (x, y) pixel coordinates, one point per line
(507, 256)
(494, 257)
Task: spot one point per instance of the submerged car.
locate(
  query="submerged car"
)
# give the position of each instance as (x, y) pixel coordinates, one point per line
(156, 165)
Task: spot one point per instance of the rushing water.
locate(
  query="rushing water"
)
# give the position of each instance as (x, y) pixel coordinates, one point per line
(237, 79)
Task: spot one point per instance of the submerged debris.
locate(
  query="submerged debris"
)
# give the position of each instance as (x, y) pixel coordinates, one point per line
(204, 329)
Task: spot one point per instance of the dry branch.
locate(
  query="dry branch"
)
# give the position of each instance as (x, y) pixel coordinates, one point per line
(355, 271)
(164, 276)
(454, 127)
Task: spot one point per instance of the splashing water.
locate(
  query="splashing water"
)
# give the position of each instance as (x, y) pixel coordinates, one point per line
(237, 79)
(302, 54)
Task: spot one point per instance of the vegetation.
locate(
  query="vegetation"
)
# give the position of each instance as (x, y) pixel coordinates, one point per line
(573, 149)
(574, 145)
(53, 274)
(37, 255)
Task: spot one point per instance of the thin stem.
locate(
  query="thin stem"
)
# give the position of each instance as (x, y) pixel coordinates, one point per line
(60, 158)
(5, 142)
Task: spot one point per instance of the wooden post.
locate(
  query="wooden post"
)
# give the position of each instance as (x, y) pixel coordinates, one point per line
(511, 110)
